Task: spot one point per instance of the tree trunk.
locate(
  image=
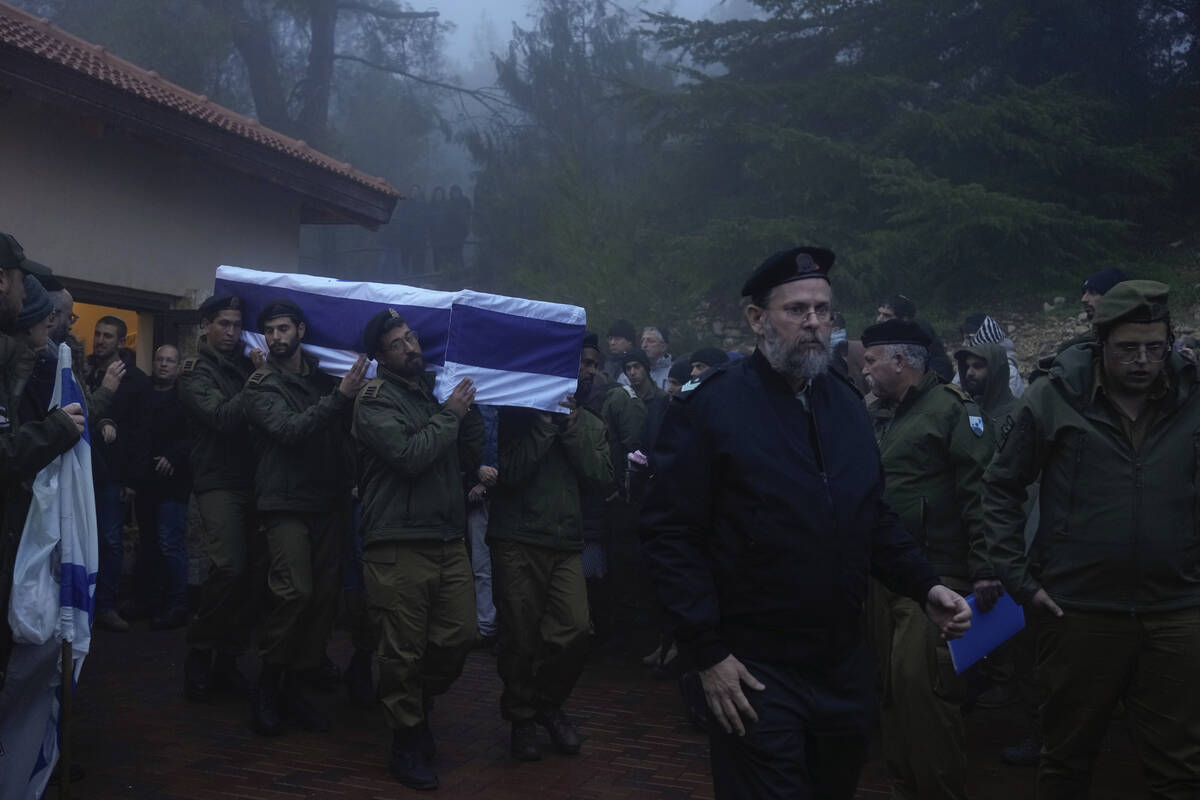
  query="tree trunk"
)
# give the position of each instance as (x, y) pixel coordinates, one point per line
(312, 123)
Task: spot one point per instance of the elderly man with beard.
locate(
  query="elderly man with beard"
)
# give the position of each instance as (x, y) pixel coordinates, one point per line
(300, 418)
(935, 445)
(766, 577)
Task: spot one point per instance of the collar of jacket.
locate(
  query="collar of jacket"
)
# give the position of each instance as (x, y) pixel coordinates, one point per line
(310, 365)
(915, 392)
(422, 383)
(208, 352)
(1074, 373)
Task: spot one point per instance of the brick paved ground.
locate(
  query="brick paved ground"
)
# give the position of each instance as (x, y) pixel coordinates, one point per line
(138, 738)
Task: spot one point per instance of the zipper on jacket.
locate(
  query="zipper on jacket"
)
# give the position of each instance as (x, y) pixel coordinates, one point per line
(815, 434)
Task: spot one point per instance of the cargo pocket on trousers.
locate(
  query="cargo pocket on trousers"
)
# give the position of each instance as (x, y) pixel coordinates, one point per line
(947, 684)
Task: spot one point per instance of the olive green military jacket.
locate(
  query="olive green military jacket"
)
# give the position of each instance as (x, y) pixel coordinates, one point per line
(24, 450)
(935, 446)
(1119, 527)
(542, 472)
(412, 456)
(624, 417)
(301, 426)
(211, 389)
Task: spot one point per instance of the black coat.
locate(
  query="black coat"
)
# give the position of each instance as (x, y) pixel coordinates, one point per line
(170, 436)
(124, 460)
(761, 535)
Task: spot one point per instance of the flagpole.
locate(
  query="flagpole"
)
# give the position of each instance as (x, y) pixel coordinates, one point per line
(64, 723)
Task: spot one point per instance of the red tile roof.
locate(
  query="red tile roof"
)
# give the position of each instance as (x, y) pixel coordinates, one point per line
(38, 37)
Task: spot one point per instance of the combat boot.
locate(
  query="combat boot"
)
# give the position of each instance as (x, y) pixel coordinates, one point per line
(227, 677)
(562, 731)
(524, 744)
(197, 674)
(267, 699)
(296, 708)
(408, 764)
(357, 677)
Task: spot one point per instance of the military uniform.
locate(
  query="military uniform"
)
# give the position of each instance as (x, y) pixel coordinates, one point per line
(222, 460)
(413, 453)
(935, 445)
(1117, 549)
(302, 492)
(536, 535)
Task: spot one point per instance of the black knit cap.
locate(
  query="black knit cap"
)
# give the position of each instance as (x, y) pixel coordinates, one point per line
(218, 303)
(622, 328)
(376, 327)
(710, 355)
(786, 266)
(681, 370)
(638, 355)
(902, 307)
(280, 308)
(37, 304)
(896, 331)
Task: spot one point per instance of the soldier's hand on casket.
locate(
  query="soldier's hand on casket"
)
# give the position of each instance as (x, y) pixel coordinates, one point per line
(949, 611)
(353, 380)
(722, 684)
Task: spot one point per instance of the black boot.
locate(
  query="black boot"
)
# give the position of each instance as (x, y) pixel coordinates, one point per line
(357, 678)
(227, 677)
(407, 763)
(524, 744)
(324, 678)
(197, 674)
(428, 745)
(267, 697)
(297, 710)
(562, 731)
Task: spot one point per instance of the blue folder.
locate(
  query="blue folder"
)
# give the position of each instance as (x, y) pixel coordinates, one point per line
(988, 631)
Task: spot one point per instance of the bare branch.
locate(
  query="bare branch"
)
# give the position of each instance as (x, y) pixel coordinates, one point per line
(384, 12)
(484, 98)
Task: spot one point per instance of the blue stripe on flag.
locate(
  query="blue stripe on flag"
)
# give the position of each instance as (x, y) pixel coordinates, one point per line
(338, 322)
(75, 588)
(71, 393)
(495, 340)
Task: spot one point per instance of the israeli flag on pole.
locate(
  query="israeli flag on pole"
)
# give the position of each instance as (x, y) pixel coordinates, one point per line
(54, 582)
(518, 352)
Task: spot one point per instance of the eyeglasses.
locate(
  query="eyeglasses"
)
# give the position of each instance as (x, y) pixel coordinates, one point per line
(405, 342)
(822, 313)
(1129, 352)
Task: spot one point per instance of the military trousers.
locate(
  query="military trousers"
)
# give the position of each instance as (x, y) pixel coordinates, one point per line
(924, 736)
(1087, 661)
(231, 595)
(421, 597)
(303, 577)
(542, 645)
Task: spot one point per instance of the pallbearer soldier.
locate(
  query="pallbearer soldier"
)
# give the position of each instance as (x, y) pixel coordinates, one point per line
(222, 460)
(1112, 583)
(413, 454)
(301, 421)
(536, 535)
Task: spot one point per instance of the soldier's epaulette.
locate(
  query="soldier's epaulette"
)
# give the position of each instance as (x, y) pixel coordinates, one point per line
(691, 387)
(258, 377)
(959, 392)
(371, 390)
(189, 365)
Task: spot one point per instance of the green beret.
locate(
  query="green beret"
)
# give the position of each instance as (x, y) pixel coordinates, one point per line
(787, 266)
(1132, 301)
(896, 331)
(280, 308)
(376, 327)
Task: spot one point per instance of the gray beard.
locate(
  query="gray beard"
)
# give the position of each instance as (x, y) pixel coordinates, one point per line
(799, 362)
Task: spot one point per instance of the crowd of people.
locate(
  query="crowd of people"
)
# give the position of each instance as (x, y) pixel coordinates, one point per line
(792, 532)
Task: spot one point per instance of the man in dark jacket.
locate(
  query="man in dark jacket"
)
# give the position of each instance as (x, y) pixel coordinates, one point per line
(163, 503)
(983, 373)
(1112, 583)
(763, 522)
(119, 451)
(301, 419)
(536, 535)
(934, 444)
(212, 391)
(413, 452)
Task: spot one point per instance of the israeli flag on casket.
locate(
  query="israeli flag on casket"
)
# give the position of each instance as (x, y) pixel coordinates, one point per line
(518, 352)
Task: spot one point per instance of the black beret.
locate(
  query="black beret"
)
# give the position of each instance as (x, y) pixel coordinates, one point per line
(710, 356)
(638, 355)
(896, 331)
(218, 303)
(279, 308)
(787, 266)
(376, 327)
(590, 339)
(903, 307)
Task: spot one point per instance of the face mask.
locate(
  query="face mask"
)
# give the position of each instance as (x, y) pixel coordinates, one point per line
(837, 337)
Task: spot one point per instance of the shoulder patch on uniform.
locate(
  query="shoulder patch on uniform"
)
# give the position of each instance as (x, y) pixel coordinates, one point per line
(371, 390)
(958, 392)
(258, 377)
(976, 425)
(692, 386)
(189, 365)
